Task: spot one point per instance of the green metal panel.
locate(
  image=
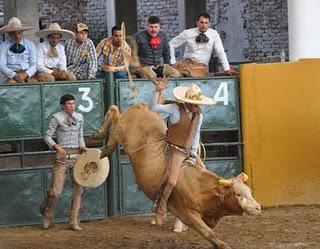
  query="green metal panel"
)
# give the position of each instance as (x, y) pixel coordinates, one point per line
(21, 195)
(94, 203)
(133, 201)
(19, 112)
(25, 113)
(226, 168)
(224, 114)
(88, 98)
(23, 191)
(26, 109)
(145, 89)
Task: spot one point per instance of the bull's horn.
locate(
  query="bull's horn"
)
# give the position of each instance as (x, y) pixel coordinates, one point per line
(243, 177)
(225, 182)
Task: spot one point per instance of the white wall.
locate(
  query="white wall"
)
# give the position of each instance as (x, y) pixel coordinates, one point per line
(304, 29)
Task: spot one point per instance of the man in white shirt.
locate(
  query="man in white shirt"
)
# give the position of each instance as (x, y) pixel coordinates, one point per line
(200, 43)
(51, 57)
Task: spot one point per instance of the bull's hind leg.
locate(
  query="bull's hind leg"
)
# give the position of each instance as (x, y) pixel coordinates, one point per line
(194, 221)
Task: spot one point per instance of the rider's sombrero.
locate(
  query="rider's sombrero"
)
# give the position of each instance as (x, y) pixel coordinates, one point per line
(192, 95)
(89, 170)
(55, 28)
(15, 24)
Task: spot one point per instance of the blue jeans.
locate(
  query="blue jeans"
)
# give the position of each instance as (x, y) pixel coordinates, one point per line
(117, 75)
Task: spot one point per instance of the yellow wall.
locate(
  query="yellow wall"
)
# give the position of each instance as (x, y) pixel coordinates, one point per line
(280, 112)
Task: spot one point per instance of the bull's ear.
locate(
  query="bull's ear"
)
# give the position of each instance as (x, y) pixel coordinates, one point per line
(242, 177)
(225, 182)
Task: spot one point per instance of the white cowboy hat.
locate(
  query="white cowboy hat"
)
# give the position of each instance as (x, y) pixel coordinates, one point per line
(55, 28)
(89, 170)
(15, 24)
(192, 95)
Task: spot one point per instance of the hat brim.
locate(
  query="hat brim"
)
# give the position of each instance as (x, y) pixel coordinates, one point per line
(95, 179)
(65, 34)
(10, 29)
(180, 92)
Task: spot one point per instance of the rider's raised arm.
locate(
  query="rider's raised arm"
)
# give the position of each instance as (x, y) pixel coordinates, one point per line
(172, 110)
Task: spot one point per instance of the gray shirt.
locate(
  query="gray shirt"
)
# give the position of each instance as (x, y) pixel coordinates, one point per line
(69, 129)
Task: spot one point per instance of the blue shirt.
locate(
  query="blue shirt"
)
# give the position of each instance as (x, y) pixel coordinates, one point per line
(10, 63)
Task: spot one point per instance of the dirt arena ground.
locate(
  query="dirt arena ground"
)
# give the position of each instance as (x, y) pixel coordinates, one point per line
(295, 227)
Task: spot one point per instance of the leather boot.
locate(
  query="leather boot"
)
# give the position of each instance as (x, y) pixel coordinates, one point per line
(74, 218)
(46, 210)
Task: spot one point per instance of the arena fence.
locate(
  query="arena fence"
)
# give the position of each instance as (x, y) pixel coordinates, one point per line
(25, 160)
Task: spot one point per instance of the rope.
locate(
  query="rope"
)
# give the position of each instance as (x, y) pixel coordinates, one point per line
(201, 149)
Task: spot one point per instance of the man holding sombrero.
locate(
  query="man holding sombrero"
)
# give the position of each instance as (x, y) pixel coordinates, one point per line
(17, 54)
(183, 135)
(68, 125)
(51, 57)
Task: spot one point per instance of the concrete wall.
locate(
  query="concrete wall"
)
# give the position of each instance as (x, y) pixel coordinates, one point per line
(281, 131)
(68, 13)
(167, 10)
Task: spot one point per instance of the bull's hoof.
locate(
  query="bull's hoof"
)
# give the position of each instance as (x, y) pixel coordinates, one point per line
(159, 218)
(218, 244)
(153, 221)
(97, 135)
(104, 153)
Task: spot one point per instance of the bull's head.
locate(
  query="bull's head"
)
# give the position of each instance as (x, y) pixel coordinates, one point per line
(243, 194)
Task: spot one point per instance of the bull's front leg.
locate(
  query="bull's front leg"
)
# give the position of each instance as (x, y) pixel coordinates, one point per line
(195, 221)
(98, 134)
(110, 147)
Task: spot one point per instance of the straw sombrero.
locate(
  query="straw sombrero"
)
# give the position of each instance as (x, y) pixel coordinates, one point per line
(192, 95)
(55, 28)
(15, 24)
(89, 170)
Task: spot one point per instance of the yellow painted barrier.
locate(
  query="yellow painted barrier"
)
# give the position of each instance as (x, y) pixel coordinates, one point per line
(280, 112)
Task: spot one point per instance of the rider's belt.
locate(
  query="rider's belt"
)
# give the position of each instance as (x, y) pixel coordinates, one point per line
(178, 148)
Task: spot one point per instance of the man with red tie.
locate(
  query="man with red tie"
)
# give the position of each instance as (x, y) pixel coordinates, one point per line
(154, 52)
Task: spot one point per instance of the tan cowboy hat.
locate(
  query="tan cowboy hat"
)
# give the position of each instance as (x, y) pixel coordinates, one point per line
(55, 28)
(15, 24)
(89, 170)
(192, 95)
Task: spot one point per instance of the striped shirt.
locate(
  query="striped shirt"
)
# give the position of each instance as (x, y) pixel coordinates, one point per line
(111, 56)
(81, 58)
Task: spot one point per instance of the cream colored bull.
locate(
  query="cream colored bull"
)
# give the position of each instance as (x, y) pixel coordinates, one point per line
(200, 197)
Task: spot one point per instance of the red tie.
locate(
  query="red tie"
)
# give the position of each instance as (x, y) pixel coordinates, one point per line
(155, 42)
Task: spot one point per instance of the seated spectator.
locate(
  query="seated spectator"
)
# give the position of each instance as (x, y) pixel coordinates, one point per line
(200, 43)
(51, 57)
(17, 54)
(154, 52)
(114, 55)
(81, 54)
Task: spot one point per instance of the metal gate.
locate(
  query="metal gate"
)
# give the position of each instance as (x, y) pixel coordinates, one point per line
(25, 160)
(220, 134)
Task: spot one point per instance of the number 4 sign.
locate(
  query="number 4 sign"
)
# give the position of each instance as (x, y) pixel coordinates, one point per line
(222, 93)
